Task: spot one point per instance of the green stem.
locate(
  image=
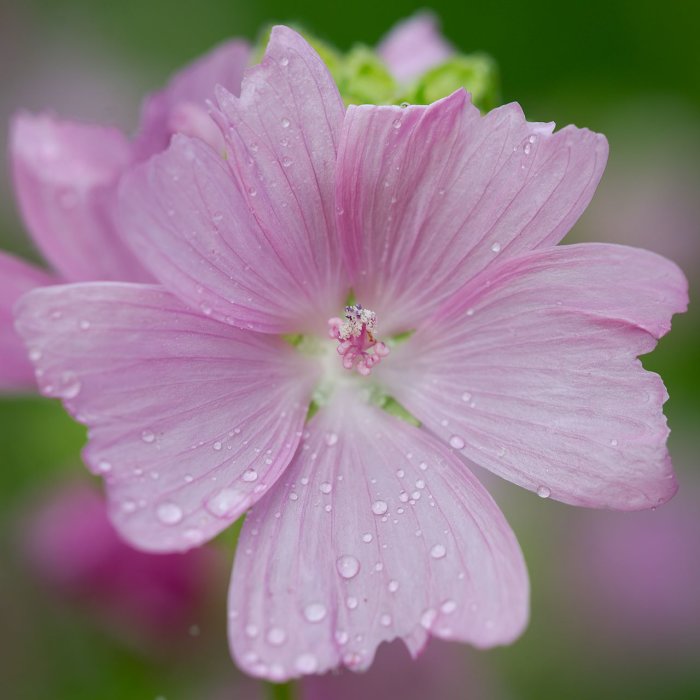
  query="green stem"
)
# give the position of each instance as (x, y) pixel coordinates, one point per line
(281, 691)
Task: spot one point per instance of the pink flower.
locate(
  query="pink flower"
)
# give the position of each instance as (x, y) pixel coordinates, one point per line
(522, 357)
(66, 176)
(414, 46)
(75, 550)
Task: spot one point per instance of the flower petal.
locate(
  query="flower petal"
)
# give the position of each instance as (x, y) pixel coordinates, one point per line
(432, 195)
(532, 371)
(376, 531)
(283, 135)
(190, 420)
(181, 106)
(414, 46)
(16, 278)
(65, 174)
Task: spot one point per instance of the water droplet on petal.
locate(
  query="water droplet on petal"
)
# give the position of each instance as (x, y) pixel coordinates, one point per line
(449, 606)
(226, 502)
(385, 620)
(169, 513)
(287, 161)
(438, 551)
(306, 663)
(466, 397)
(393, 586)
(543, 492)
(148, 436)
(428, 617)
(496, 247)
(348, 566)
(104, 467)
(315, 612)
(367, 537)
(276, 636)
(351, 602)
(285, 123)
(249, 475)
(217, 445)
(331, 439)
(380, 507)
(325, 487)
(456, 442)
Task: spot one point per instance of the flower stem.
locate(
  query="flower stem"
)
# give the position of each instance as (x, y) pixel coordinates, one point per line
(281, 691)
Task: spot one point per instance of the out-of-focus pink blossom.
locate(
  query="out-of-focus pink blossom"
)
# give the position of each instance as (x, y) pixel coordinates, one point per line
(66, 176)
(414, 46)
(76, 552)
(506, 349)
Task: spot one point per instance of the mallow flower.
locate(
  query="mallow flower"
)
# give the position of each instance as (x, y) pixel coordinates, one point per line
(66, 175)
(356, 304)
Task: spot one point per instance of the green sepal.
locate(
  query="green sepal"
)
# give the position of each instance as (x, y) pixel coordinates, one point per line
(477, 73)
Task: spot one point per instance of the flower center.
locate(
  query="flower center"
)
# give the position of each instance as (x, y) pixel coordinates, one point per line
(357, 345)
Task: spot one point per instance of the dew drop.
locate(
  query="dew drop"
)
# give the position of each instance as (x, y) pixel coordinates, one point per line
(249, 475)
(543, 492)
(285, 123)
(287, 161)
(226, 502)
(315, 612)
(456, 442)
(84, 325)
(276, 636)
(385, 620)
(367, 537)
(104, 467)
(428, 617)
(341, 637)
(613, 443)
(331, 439)
(393, 586)
(306, 663)
(284, 61)
(496, 247)
(35, 355)
(466, 397)
(438, 551)
(325, 487)
(351, 602)
(217, 445)
(148, 436)
(348, 566)
(169, 513)
(251, 631)
(396, 123)
(449, 606)
(380, 507)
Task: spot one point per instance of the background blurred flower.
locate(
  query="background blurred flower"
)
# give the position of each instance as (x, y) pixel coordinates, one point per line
(150, 600)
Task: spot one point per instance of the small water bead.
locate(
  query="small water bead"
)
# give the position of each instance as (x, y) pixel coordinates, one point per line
(449, 606)
(325, 487)
(306, 663)
(251, 631)
(385, 620)
(249, 475)
(420, 484)
(393, 586)
(284, 61)
(396, 123)
(348, 566)
(423, 466)
(496, 247)
(148, 436)
(379, 507)
(35, 355)
(217, 445)
(276, 636)
(428, 617)
(456, 442)
(438, 551)
(351, 602)
(466, 397)
(613, 443)
(287, 161)
(543, 492)
(367, 537)
(169, 513)
(341, 637)
(285, 123)
(331, 439)
(315, 612)
(104, 467)
(84, 325)
(226, 501)
(400, 473)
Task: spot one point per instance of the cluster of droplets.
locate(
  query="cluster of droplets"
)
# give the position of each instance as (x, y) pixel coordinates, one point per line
(357, 345)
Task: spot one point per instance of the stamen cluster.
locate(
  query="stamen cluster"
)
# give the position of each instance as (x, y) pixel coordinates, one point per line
(358, 346)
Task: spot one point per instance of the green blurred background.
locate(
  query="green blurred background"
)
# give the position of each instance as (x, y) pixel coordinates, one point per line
(628, 69)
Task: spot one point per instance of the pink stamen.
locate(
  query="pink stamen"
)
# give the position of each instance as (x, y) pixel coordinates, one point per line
(357, 346)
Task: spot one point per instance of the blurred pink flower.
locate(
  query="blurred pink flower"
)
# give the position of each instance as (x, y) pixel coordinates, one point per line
(75, 550)
(66, 176)
(414, 46)
(522, 357)
(443, 672)
(642, 576)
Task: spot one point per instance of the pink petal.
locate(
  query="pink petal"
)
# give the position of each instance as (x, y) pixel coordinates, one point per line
(190, 420)
(433, 195)
(414, 46)
(181, 106)
(532, 372)
(65, 174)
(376, 531)
(282, 135)
(16, 278)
